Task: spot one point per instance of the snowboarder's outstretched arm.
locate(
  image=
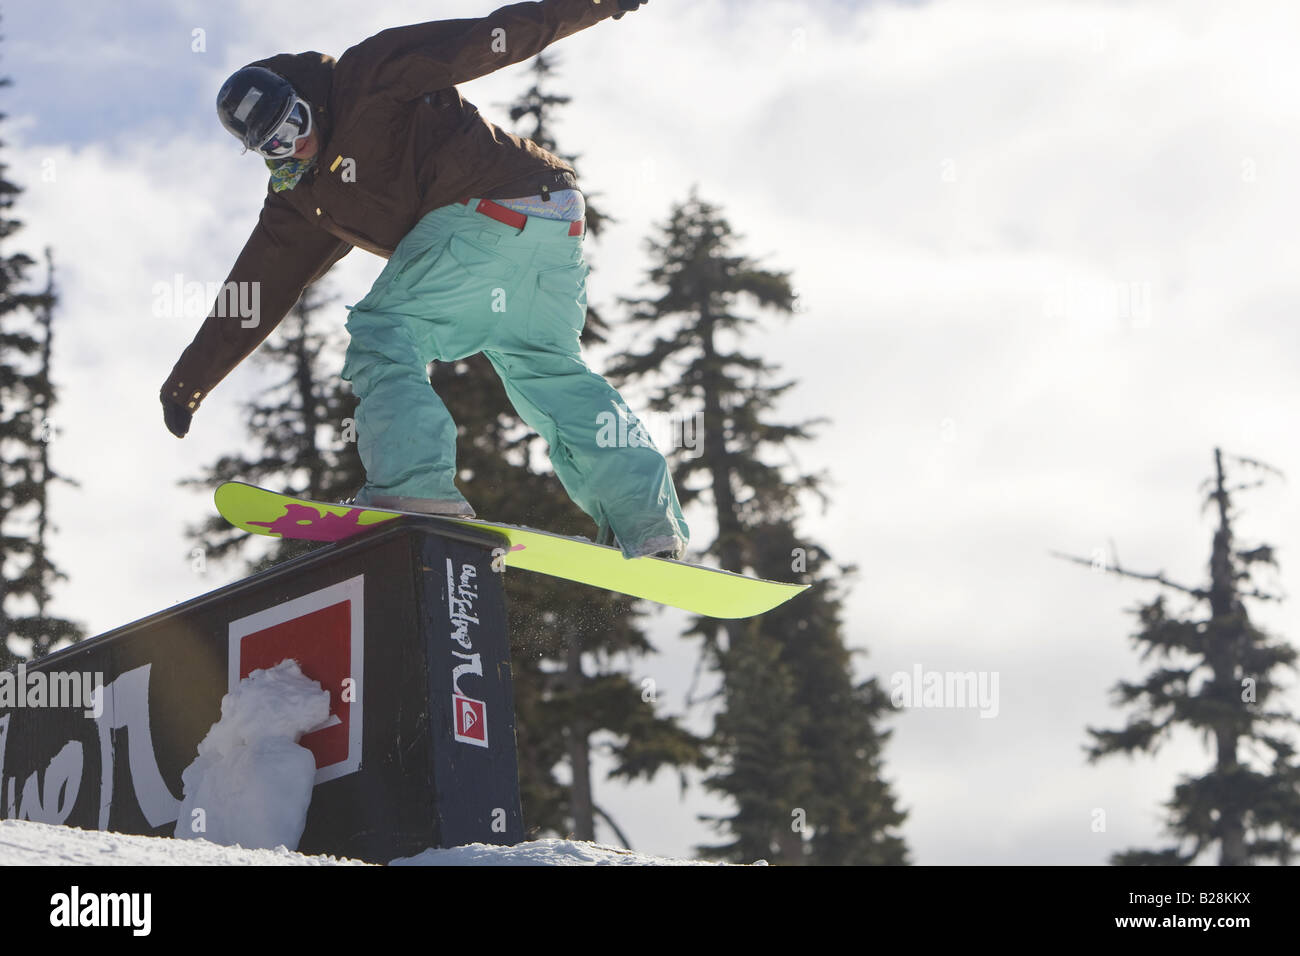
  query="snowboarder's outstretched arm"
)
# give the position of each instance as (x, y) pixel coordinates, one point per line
(284, 255)
(410, 61)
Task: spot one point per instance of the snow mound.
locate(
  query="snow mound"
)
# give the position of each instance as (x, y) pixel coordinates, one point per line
(251, 783)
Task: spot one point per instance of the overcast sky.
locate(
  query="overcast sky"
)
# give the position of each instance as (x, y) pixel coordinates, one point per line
(1046, 255)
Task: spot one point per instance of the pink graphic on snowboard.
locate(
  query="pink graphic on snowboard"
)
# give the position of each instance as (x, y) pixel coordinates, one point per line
(310, 524)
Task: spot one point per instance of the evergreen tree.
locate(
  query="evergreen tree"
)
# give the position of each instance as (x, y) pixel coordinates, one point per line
(763, 766)
(27, 397)
(851, 818)
(1218, 675)
(798, 750)
(538, 103)
(45, 630)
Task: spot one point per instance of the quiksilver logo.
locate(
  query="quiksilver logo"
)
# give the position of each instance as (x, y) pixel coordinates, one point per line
(470, 718)
(469, 715)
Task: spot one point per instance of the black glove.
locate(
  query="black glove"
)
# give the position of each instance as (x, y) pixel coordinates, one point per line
(626, 5)
(177, 418)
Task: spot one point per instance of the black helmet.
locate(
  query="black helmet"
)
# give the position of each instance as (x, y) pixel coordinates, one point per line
(254, 103)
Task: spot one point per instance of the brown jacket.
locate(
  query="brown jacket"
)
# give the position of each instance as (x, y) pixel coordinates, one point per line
(396, 140)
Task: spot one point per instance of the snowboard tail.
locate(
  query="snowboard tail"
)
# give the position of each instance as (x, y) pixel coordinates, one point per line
(692, 587)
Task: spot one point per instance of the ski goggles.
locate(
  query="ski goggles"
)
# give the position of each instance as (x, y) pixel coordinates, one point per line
(295, 125)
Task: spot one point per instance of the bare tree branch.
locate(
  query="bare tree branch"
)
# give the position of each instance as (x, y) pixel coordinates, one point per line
(1199, 593)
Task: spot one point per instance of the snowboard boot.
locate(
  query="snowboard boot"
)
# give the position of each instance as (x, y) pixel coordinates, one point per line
(665, 546)
(447, 507)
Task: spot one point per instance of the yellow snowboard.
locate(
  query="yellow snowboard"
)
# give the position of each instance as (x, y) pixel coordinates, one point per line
(691, 587)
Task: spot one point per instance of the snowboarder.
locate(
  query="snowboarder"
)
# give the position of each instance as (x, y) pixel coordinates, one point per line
(483, 235)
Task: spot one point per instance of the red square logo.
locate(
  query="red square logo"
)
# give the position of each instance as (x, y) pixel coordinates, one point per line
(319, 641)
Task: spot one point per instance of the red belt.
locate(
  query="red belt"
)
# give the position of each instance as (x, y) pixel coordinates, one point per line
(516, 219)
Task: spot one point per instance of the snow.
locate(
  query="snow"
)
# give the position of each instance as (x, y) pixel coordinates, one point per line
(251, 783)
(25, 843)
(539, 853)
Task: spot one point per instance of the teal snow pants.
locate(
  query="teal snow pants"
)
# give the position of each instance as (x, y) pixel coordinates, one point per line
(461, 283)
